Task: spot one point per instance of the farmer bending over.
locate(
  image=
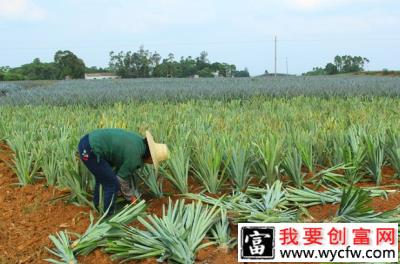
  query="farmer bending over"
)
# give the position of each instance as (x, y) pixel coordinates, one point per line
(103, 149)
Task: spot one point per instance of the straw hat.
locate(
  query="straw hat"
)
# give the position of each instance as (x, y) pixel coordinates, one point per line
(158, 152)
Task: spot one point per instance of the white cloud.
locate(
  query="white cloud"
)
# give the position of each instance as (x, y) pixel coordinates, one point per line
(20, 10)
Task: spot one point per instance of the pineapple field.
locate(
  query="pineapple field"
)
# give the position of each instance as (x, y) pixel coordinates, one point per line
(259, 150)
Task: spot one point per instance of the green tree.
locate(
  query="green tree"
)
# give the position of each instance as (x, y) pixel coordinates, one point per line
(348, 64)
(202, 61)
(341, 64)
(12, 76)
(331, 69)
(143, 63)
(36, 71)
(140, 64)
(188, 67)
(170, 65)
(5, 68)
(3, 71)
(121, 64)
(205, 72)
(146, 64)
(155, 60)
(230, 69)
(68, 64)
(244, 73)
(94, 69)
(315, 71)
(338, 63)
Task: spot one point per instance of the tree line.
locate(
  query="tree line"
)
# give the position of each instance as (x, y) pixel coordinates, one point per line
(137, 64)
(145, 64)
(66, 65)
(341, 64)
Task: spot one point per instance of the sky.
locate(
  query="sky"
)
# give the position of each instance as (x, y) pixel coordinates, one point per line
(309, 33)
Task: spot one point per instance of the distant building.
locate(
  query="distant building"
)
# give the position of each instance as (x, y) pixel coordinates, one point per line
(100, 76)
(215, 74)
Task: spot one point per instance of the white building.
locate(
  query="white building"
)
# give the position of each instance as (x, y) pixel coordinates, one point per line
(215, 74)
(100, 76)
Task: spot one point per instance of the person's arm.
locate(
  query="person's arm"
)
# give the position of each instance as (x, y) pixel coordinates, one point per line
(127, 191)
(124, 174)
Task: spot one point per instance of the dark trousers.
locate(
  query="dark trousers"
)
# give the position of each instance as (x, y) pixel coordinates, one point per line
(103, 174)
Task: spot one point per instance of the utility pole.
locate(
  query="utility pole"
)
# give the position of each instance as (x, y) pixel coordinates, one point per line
(287, 67)
(275, 55)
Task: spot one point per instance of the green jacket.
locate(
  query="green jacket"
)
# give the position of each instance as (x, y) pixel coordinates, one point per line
(122, 149)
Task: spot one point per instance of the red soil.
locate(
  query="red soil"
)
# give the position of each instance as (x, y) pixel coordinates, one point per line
(379, 204)
(27, 217)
